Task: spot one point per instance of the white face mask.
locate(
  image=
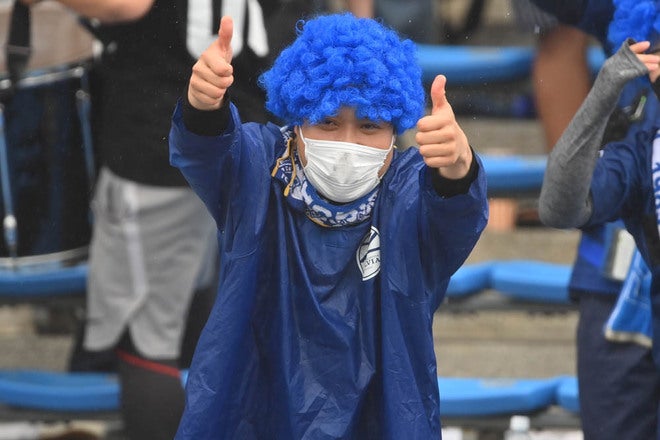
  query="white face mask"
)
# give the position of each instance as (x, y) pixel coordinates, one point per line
(342, 171)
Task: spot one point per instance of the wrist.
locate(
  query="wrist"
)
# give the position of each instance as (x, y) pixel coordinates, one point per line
(461, 166)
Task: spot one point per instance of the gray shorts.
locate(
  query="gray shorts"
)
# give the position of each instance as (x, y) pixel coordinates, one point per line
(151, 247)
(530, 18)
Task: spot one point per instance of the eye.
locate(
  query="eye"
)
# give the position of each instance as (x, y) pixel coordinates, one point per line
(374, 127)
(328, 123)
(370, 126)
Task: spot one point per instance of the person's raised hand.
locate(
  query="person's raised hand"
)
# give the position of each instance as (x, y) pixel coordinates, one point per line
(213, 73)
(650, 60)
(442, 142)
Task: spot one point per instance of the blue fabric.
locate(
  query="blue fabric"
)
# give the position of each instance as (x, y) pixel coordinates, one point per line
(621, 184)
(622, 187)
(588, 274)
(631, 318)
(299, 344)
(619, 385)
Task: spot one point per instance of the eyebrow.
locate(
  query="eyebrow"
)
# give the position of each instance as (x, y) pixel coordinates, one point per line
(373, 122)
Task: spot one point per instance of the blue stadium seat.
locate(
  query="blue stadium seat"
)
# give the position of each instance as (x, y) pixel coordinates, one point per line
(532, 280)
(475, 64)
(59, 391)
(568, 395)
(478, 65)
(470, 279)
(26, 284)
(474, 397)
(514, 173)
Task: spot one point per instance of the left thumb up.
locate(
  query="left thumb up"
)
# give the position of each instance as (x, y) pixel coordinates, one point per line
(442, 142)
(438, 93)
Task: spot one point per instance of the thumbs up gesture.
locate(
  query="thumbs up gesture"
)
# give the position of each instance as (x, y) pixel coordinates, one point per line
(213, 73)
(442, 143)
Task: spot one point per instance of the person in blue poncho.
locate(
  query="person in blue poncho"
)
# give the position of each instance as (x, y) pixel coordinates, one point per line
(585, 187)
(336, 248)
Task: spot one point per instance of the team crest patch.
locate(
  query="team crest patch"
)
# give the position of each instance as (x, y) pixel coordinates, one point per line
(368, 254)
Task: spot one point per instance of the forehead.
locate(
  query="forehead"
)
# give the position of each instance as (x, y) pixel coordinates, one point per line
(347, 115)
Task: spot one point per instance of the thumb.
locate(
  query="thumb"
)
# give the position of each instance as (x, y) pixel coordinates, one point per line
(438, 94)
(225, 33)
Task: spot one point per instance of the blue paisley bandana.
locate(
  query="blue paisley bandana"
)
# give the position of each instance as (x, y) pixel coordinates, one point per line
(302, 196)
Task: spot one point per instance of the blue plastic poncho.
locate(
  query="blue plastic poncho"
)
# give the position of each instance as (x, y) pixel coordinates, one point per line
(319, 332)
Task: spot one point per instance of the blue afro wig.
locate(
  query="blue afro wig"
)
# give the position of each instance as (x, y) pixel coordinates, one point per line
(340, 60)
(636, 19)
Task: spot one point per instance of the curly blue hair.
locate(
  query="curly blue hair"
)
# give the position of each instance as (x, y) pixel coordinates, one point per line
(340, 60)
(636, 19)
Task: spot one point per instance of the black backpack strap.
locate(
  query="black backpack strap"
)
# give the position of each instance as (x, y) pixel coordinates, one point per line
(18, 49)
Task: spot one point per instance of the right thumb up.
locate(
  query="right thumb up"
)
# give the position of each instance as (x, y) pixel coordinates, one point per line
(213, 73)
